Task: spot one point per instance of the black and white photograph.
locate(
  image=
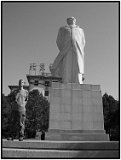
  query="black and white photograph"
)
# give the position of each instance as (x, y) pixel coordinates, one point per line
(60, 79)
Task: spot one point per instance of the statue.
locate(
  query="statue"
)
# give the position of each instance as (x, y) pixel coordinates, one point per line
(69, 64)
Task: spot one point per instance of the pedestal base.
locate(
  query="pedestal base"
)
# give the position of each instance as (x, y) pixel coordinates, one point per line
(76, 113)
(76, 135)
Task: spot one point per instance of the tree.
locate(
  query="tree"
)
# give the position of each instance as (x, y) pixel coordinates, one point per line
(11, 99)
(106, 113)
(6, 110)
(111, 116)
(8, 103)
(37, 112)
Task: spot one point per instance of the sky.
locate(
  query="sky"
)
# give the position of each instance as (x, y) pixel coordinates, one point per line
(29, 32)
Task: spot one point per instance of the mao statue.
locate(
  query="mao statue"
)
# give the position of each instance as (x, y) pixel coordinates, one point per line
(69, 64)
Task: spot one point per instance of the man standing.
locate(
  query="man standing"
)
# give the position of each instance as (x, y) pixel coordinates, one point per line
(69, 64)
(19, 112)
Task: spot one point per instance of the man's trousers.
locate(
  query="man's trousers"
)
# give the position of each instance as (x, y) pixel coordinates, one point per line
(17, 123)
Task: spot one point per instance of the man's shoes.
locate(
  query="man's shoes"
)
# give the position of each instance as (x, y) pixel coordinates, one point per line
(21, 139)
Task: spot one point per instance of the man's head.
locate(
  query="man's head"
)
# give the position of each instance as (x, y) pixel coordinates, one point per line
(21, 83)
(71, 21)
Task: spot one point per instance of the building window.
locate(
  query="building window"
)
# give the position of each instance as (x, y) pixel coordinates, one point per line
(36, 83)
(46, 93)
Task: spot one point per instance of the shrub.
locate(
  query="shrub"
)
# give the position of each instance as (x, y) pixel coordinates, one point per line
(6, 111)
(37, 114)
(111, 113)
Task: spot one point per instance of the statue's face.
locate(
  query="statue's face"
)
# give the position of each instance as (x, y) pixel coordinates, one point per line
(71, 21)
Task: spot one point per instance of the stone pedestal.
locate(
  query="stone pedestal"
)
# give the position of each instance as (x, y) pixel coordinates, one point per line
(76, 110)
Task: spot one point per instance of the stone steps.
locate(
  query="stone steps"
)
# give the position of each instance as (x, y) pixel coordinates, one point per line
(76, 136)
(59, 149)
(32, 153)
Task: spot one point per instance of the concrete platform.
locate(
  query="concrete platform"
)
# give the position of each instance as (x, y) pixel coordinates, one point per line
(75, 135)
(59, 149)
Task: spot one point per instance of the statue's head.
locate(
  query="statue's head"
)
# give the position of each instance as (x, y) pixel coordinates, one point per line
(21, 82)
(71, 21)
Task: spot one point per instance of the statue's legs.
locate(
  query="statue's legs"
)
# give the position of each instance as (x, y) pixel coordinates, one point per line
(80, 77)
